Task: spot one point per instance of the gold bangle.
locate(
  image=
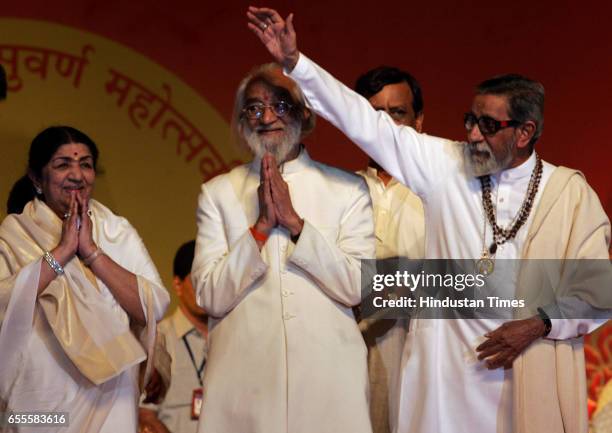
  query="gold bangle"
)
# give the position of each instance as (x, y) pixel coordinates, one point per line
(87, 261)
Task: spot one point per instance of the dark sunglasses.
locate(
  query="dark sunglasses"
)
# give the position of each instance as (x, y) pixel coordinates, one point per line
(486, 124)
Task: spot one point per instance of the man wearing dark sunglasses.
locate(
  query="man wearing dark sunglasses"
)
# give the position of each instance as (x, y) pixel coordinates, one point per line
(486, 199)
(505, 122)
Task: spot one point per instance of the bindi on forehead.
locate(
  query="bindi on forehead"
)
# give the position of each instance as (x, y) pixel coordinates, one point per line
(72, 154)
(73, 150)
(74, 158)
(259, 97)
(261, 91)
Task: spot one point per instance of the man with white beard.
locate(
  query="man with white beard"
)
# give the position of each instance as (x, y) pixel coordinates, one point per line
(488, 199)
(277, 266)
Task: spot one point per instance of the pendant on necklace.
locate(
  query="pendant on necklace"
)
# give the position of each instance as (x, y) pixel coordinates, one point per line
(485, 264)
(493, 248)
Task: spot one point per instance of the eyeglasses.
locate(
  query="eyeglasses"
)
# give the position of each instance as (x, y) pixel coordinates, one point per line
(256, 110)
(486, 124)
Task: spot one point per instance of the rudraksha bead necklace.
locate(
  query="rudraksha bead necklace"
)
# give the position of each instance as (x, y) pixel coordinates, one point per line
(502, 235)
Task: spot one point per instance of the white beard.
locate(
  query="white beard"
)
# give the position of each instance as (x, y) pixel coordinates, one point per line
(481, 165)
(280, 148)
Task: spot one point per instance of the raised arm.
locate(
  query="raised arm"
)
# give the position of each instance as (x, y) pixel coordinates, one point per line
(417, 160)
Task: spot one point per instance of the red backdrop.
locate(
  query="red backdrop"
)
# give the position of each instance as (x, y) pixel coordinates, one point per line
(449, 46)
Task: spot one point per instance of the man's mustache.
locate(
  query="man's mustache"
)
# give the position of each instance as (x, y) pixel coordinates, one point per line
(267, 128)
(479, 146)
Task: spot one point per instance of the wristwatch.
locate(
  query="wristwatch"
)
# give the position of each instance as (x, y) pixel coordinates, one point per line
(546, 320)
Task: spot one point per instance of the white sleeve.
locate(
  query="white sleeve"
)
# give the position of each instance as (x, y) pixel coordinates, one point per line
(583, 318)
(336, 267)
(222, 273)
(419, 161)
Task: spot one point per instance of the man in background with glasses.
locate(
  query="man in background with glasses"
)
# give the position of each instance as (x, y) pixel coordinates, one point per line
(277, 267)
(487, 199)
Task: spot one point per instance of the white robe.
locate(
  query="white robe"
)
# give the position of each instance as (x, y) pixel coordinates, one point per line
(285, 353)
(43, 378)
(444, 387)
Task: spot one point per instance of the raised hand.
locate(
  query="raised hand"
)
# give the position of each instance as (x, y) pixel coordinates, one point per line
(276, 34)
(267, 216)
(86, 244)
(285, 213)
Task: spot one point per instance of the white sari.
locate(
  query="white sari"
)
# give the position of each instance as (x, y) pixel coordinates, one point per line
(72, 349)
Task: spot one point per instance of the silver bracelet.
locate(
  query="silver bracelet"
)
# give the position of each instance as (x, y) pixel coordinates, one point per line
(53, 264)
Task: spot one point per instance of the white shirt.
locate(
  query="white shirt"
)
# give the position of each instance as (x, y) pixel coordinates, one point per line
(175, 410)
(399, 224)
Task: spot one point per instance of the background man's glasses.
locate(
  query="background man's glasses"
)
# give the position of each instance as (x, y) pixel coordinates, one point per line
(256, 110)
(486, 124)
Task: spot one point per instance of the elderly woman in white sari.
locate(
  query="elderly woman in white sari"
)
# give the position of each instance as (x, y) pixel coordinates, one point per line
(79, 297)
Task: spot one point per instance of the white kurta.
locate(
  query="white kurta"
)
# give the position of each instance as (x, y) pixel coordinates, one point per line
(444, 387)
(45, 379)
(399, 228)
(399, 224)
(285, 353)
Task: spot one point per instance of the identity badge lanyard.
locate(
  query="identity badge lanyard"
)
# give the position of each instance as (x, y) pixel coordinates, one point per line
(198, 394)
(199, 370)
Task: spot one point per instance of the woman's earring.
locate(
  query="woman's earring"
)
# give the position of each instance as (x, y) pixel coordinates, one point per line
(38, 190)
